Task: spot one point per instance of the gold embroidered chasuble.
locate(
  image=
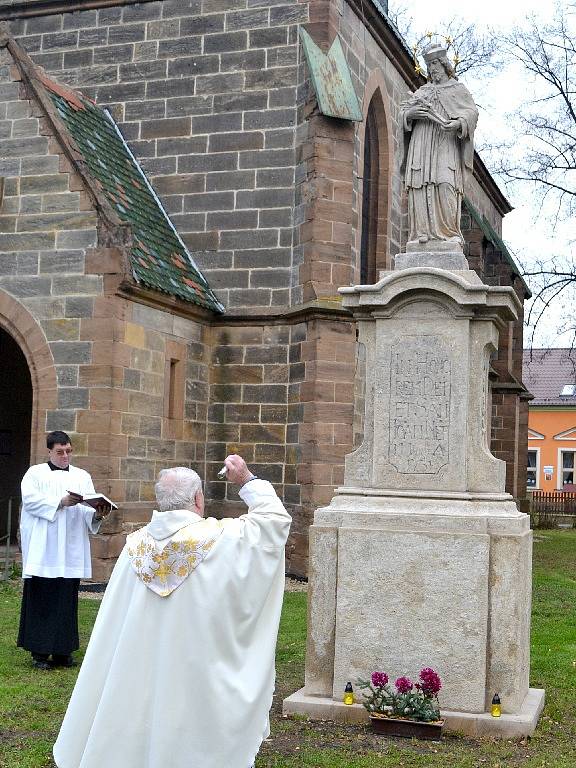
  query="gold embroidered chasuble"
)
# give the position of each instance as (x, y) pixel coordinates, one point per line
(163, 565)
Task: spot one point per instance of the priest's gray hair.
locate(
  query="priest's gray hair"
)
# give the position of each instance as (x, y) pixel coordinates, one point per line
(176, 488)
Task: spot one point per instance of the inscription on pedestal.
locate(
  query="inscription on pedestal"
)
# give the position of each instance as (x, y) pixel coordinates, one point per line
(420, 386)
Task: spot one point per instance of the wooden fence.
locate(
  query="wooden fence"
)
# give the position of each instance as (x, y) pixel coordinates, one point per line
(553, 509)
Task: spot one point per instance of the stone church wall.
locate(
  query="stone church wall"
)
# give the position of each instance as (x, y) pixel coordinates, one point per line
(47, 228)
(204, 92)
(111, 357)
(214, 99)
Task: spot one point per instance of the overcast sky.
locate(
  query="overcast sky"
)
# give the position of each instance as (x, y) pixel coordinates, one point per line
(528, 233)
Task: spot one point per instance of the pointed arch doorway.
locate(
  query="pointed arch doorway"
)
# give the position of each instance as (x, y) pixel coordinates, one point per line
(15, 425)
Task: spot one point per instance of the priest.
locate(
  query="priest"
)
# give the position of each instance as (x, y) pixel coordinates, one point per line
(55, 554)
(179, 670)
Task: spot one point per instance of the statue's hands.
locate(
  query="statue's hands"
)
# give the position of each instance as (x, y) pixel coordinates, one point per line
(418, 112)
(452, 126)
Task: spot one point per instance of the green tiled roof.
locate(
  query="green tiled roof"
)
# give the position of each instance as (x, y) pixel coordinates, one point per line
(159, 258)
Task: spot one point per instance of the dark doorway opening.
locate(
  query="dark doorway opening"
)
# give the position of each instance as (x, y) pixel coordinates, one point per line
(15, 426)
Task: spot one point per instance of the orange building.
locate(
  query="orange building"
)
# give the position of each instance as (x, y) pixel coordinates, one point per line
(550, 375)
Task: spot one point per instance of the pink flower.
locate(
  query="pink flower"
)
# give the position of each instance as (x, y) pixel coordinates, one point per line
(431, 682)
(403, 685)
(379, 679)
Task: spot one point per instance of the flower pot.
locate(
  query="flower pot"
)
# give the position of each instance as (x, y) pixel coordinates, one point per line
(411, 729)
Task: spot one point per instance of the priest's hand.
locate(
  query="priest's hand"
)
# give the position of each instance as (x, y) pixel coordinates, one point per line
(237, 471)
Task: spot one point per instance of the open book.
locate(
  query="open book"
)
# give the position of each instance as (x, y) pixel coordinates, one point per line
(92, 499)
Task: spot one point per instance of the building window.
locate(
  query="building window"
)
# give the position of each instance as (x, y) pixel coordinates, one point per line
(370, 189)
(173, 382)
(566, 468)
(533, 468)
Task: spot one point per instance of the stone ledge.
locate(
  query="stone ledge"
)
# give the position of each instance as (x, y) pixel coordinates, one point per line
(442, 258)
(471, 724)
(505, 727)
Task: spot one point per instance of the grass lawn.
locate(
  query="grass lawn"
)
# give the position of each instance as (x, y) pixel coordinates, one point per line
(32, 704)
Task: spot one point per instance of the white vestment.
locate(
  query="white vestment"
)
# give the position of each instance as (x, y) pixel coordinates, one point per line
(55, 539)
(179, 671)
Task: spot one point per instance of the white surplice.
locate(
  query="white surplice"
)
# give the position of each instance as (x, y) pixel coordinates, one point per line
(183, 677)
(55, 539)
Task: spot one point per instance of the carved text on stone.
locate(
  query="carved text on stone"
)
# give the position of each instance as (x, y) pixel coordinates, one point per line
(420, 385)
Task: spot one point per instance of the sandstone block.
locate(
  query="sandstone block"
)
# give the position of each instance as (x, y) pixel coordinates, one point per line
(71, 351)
(126, 33)
(268, 37)
(227, 41)
(174, 126)
(61, 329)
(61, 419)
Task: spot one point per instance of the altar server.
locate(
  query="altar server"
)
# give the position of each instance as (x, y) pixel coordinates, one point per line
(55, 554)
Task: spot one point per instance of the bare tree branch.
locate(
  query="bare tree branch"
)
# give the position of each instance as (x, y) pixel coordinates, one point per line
(547, 135)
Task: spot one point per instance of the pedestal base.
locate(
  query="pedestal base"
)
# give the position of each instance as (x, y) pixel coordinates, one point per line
(452, 259)
(471, 724)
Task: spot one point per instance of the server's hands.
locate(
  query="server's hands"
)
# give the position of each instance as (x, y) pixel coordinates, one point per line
(70, 499)
(102, 511)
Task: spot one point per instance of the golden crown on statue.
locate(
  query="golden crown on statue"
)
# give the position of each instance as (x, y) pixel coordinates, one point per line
(433, 46)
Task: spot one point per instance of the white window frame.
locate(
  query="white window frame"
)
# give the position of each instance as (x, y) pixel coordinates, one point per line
(537, 486)
(560, 476)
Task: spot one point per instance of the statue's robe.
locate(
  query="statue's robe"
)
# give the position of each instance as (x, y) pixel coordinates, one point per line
(436, 161)
(179, 671)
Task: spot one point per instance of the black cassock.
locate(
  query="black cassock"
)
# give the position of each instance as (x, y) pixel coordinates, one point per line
(49, 616)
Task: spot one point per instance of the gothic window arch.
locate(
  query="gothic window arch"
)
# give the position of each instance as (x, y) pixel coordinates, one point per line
(374, 191)
(370, 199)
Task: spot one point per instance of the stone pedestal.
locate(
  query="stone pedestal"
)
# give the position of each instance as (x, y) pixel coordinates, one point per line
(421, 558)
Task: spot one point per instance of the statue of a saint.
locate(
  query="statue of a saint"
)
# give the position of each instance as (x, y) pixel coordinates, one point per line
(438, 124)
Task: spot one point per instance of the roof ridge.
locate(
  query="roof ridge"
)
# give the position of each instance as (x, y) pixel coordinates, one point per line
(72, 96)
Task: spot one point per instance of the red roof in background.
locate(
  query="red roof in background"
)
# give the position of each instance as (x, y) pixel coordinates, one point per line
(545, 373)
